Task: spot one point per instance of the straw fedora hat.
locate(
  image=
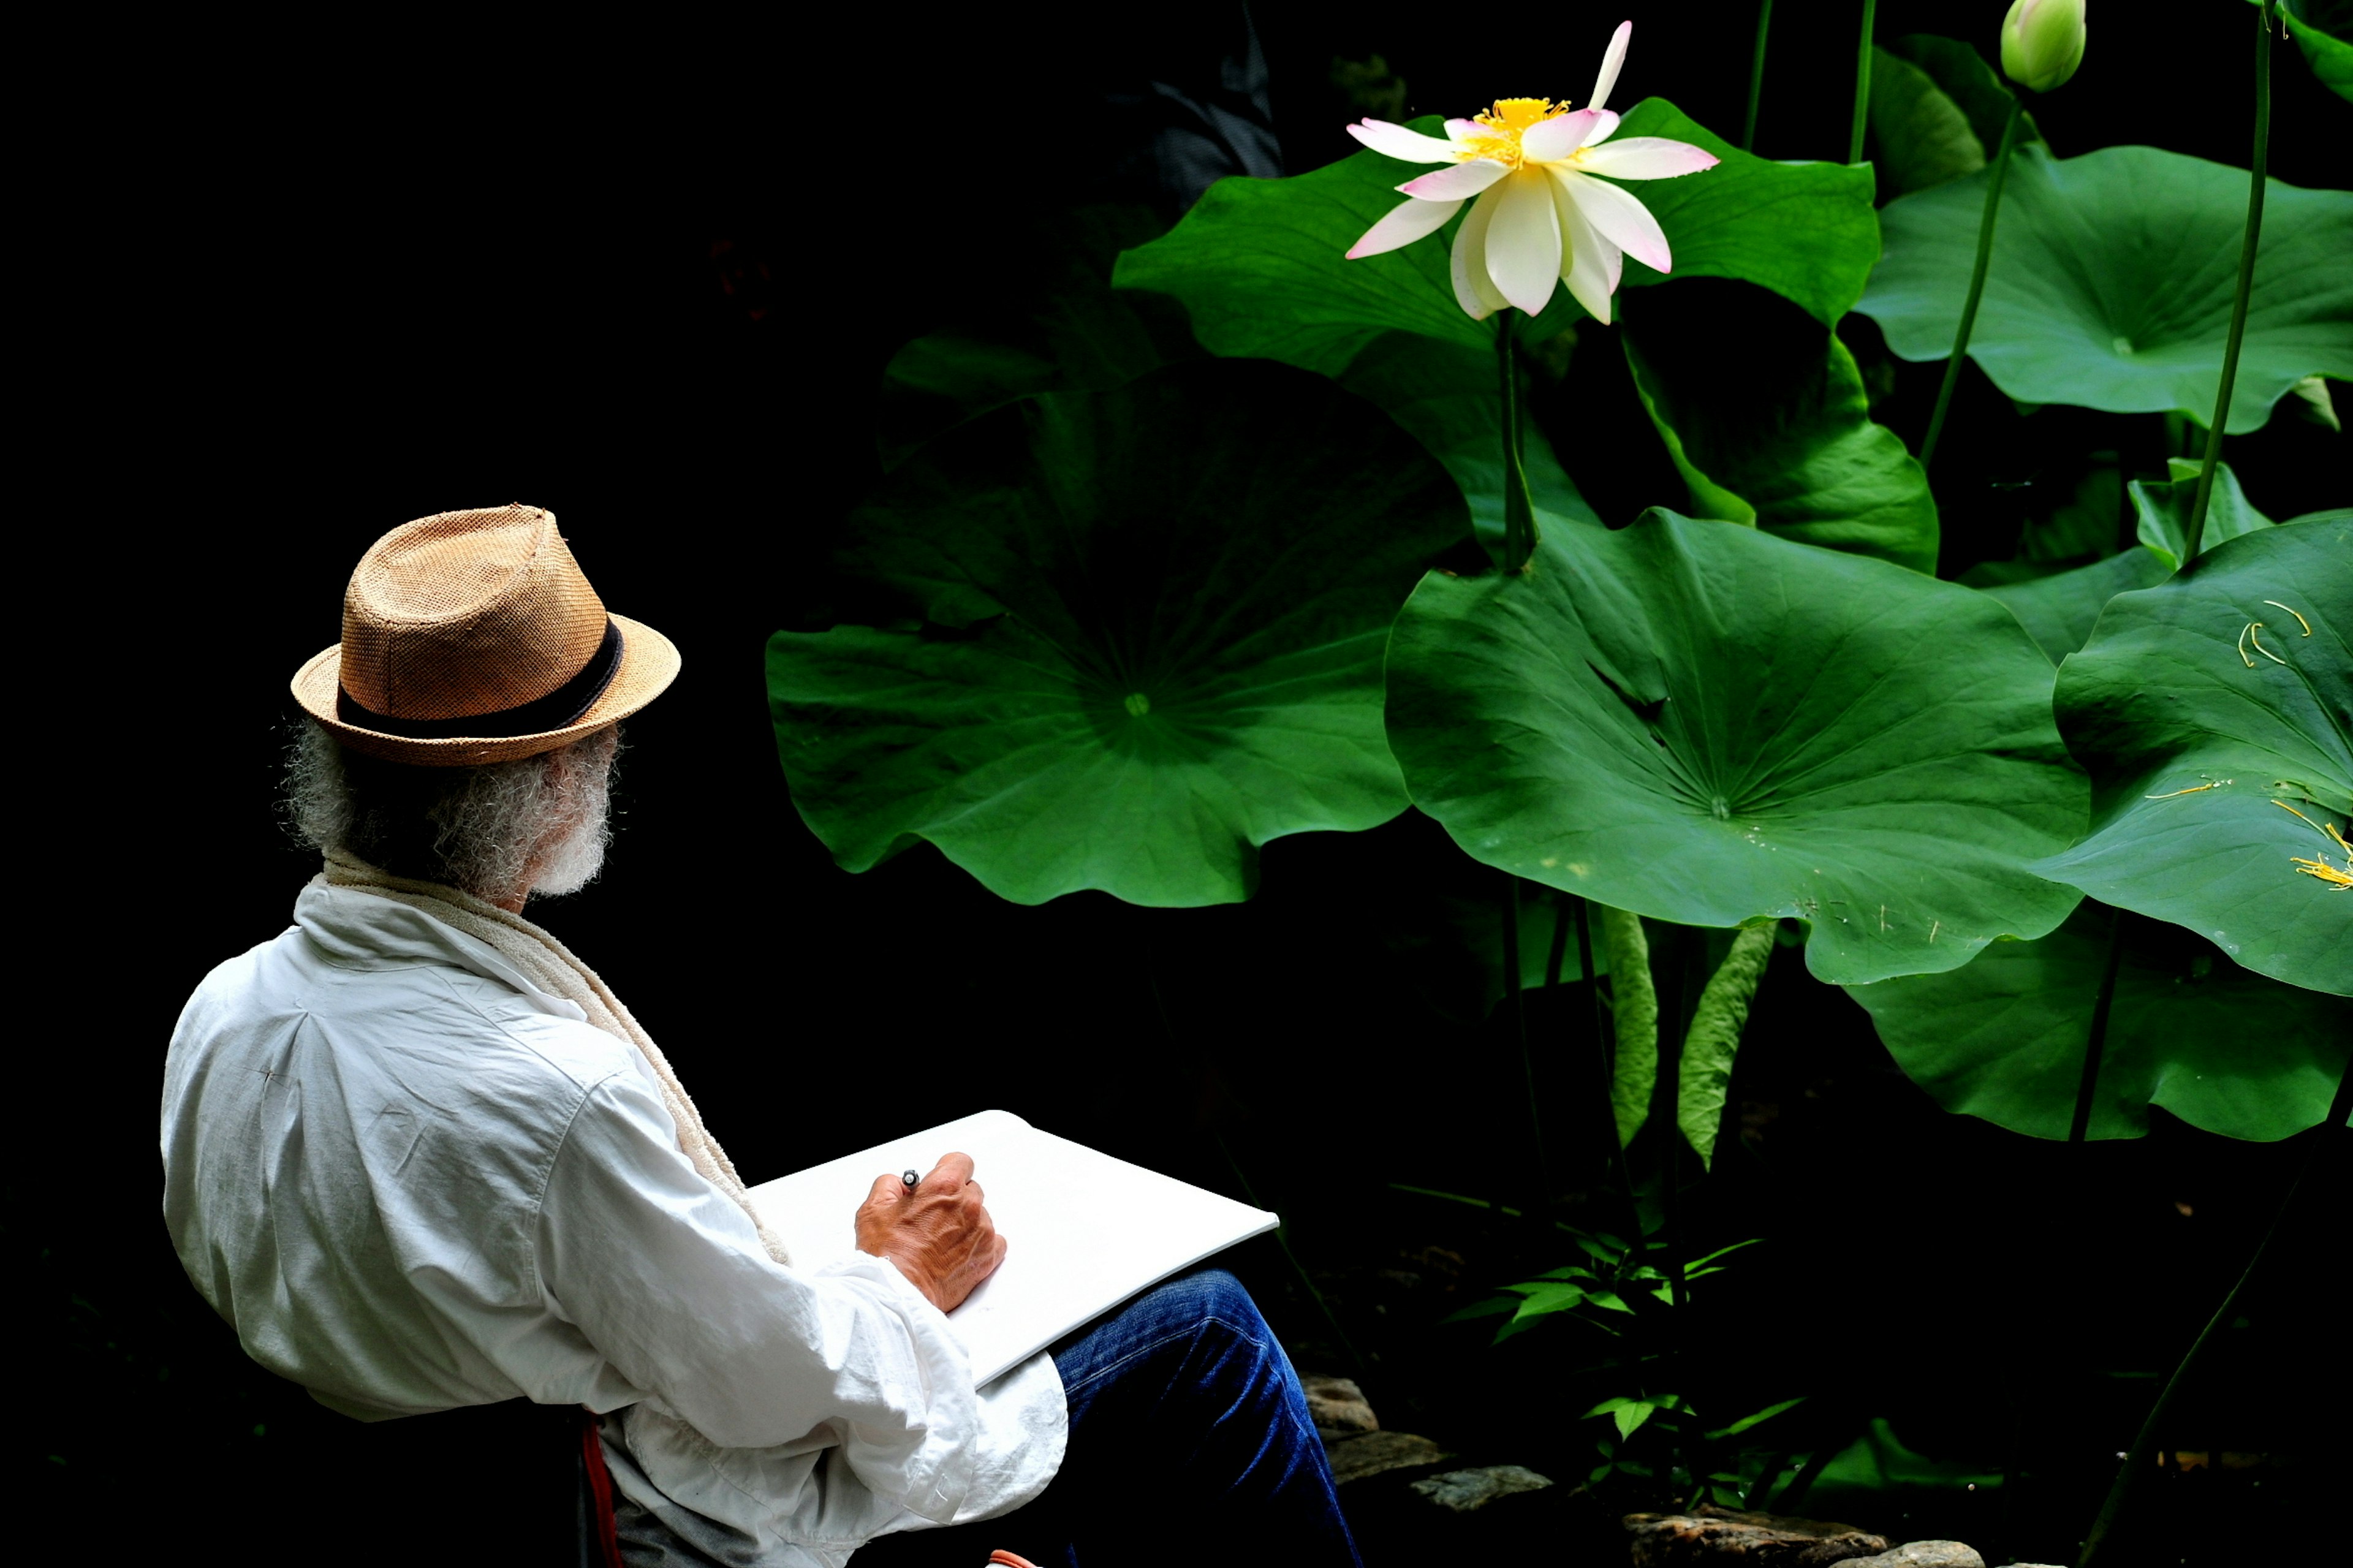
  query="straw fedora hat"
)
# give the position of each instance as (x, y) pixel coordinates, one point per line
(471, 638)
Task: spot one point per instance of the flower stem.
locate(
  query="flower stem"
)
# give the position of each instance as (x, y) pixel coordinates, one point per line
(1519, 510)
(1755, 76)
(1621, 1175)
(2246, 284)
(2096, 1044)
(1520, 1019)
(2326, 1137)
(1862, 83)
(1994, 181)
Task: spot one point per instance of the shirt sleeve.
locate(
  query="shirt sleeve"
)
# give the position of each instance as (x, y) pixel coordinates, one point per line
(665, 1276)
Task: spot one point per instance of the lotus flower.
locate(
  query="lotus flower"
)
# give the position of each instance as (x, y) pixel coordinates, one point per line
(1541, 212)
(2042, 42)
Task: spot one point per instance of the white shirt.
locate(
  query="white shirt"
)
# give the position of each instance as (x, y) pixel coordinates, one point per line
(412, 1182)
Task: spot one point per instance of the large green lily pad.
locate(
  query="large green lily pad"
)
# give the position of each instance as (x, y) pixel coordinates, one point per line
(1262, 264)
(1151, 637)
(2218, 1046)
(2192, 728)
(2111, 281)
(1765, 415)
(1704, 724)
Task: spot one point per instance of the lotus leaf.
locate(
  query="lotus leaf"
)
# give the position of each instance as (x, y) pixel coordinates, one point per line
(2199, 706)
(1705, 724)
(1150, 638)
(2111, 281)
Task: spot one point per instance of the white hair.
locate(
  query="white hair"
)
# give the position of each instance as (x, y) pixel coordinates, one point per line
(483, 830)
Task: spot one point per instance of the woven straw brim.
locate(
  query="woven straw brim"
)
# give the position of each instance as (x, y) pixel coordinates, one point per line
(649, 663)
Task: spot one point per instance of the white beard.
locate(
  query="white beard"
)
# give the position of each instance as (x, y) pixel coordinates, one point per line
(573, 861)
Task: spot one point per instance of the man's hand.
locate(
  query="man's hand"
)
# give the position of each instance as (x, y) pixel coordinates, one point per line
(938, 1233)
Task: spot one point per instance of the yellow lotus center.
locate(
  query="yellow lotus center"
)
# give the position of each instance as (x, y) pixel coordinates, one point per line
(1498, 136)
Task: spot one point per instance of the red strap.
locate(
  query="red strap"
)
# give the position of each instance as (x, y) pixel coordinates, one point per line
(600, 1487)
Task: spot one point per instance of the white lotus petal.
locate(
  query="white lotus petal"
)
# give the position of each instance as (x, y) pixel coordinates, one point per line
(1605, 126)
(1405, 224)
(1609, 64)
(1557, 137)
(1473, 290)
(1396, 142)
(1620, 218)
(1463, 129)
(1647, 158)
(1592, 265)
(1523, 241)
(1457, 184)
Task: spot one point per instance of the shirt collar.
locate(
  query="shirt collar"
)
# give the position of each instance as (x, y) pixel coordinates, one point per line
(358, 930)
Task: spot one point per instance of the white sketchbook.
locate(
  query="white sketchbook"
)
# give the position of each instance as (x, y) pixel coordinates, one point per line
(1084, 1231)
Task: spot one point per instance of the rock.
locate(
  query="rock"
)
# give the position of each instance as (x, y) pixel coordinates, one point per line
(1339, 1409)
(1712, 1534)
(1373, 1452)
(1465, 1491)
(1922, 1555)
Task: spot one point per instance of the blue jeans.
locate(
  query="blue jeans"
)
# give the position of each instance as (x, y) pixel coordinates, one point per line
(1190, 1443)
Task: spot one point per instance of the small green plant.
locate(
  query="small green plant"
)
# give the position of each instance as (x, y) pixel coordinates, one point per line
(1620, 1291)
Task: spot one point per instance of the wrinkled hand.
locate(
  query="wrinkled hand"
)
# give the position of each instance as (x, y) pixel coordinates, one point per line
(938, 1232)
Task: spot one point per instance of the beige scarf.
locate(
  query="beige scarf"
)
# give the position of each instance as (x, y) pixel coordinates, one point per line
(548, 965)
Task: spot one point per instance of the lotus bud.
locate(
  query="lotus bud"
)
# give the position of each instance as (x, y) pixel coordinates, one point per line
(2042, 42)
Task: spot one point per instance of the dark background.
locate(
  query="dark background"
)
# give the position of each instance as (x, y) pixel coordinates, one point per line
(296, 292)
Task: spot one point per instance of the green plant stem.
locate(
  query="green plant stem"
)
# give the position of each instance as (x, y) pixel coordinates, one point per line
(1618, 1170)
(1862, 86)
(1755, 76)
(1519, 507)
(1803, 1481)
(1520, 1023)
(2246, 283)
(1994, 182)
(2326, 1137)
(2095, 1045)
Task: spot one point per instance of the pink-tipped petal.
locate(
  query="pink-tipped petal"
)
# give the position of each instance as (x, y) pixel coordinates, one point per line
(1459, 183)
(1623, 220)
(1396, 142)
(1463, 129)
(1523, 241)
(1609, 64)
(1405, 224)
(1605, 126)
(1557, 137)
(1473, 290)
(1592, 264)
(1647, 158)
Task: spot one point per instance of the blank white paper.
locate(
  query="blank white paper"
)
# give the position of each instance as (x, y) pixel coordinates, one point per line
(1084, 1231)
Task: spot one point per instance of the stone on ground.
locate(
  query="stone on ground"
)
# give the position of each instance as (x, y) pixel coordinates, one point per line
(1374, 1452)
(1922, 1555)
(1338, 1407)
(1711, 1535)
(1465, 1491)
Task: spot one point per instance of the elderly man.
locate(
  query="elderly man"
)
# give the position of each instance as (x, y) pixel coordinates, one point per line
(422, 1158)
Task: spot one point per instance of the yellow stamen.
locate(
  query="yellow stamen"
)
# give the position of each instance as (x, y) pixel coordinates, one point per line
(2259, 644)
(2193, 789)
(1500, 128)
(2242, 645)
(2339, 880)
(2293, 611)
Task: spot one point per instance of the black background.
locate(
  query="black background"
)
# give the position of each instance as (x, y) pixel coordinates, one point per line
(295, 290)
